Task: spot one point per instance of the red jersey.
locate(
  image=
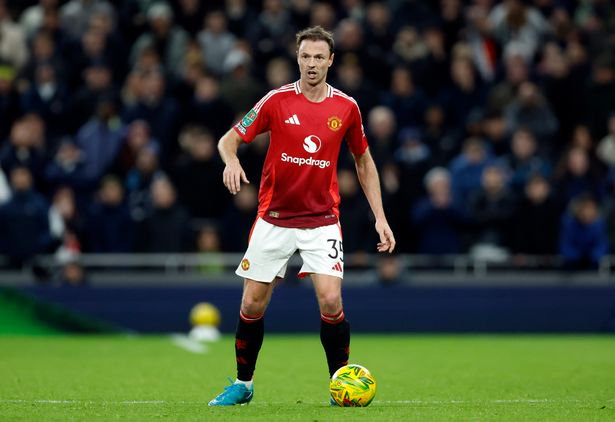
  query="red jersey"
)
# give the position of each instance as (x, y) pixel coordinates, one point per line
(299, 181)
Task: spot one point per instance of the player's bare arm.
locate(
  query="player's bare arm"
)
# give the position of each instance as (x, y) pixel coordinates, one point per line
(370, 182)
(233, 173)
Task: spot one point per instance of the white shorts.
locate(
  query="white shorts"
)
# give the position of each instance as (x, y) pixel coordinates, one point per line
(270, 247)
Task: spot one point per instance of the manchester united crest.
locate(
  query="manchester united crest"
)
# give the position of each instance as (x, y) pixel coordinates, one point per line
(334, 123)
(245, 264)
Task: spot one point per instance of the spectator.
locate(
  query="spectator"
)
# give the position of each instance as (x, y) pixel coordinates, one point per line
(530, 110)
(434, 70)
(606, 147)
(349, 41)
(192, 69)
(137, 135)
(465, 94)
(408, 47)
(379, 33)
(441, 140)
(110, 227)
(536, 218)
(68, 168)
(389, 270)
(216, 41)
(31, 18)
(75, 15)
(197, 175)
(100, 139)
(48, 97)
(351, 80)
(583, 237)
(160, 111)
(358, 238)
(239, 218)
(405, 99)
(502, 93)
(13, 48)
(208, 108)
(98, 86)
(67, 225)
(24, 227)
(437, 219)
(467, 170)
(492, 209)
(271, 31)
(208, 244)
(238, 87)
(5, 188)
(323, 14)
(241, 16)
(139, 180)
(166, 226)
(600, 95)
(92, 47)
(562, 88)
(167, 39)
(414, 160)
(44, 51)
(480, 40)
(494, 130)
(513, 21)
(189, 15)
(10, 107)
(382, 129)
(574, 177)
(73, 274)
(23, 147)
(278, 73)
(524, 161)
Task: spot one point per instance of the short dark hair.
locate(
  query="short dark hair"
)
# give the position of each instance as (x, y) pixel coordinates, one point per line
(316, 33)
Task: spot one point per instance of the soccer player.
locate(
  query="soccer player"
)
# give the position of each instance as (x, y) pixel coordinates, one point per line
(298, 203)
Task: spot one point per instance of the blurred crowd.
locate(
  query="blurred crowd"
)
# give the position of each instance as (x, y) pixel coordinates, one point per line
(492, 122)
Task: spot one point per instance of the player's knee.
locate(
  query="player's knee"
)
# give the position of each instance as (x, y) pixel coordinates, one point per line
(330, 303)
(253, 305)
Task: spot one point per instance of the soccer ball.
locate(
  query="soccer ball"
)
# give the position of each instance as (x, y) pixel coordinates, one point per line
(352, 386)
(205, 314)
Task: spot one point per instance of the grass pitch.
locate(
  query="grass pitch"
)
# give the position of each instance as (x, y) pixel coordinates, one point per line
(419, 378)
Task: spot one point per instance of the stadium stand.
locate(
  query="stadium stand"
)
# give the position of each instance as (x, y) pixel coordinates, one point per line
(492, 123)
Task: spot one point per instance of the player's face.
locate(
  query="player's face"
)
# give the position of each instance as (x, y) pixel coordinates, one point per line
(314, 60)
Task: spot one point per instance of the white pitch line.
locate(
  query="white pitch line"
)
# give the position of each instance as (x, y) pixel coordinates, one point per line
(184, 342)
(377, 402)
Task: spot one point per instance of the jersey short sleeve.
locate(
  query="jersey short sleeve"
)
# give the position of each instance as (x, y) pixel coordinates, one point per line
(355, 136)
(256, 121)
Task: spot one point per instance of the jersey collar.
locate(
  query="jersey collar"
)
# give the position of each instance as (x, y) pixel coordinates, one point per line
(298, 89)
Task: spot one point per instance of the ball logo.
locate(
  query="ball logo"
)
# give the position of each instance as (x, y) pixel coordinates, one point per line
(312, 144)
(245, 264)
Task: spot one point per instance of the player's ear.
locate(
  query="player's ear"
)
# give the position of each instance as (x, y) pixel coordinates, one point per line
(331, 59)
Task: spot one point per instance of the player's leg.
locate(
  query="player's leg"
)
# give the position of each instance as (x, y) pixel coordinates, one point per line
(334, 328)
(248, 341)
(251, 327)
(268, 252)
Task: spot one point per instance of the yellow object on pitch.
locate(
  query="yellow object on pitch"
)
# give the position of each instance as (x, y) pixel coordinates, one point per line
(352, 386)
(205, 314)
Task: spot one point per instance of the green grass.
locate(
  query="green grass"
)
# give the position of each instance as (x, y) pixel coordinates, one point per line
(18, 316)
(419, 378)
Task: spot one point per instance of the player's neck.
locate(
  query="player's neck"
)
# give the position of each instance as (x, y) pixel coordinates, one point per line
(314, 93)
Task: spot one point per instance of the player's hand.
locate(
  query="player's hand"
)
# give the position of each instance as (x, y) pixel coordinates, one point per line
(233, 175)
(387, 240)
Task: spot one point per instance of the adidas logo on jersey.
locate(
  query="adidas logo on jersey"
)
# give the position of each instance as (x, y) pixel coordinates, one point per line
(293, 120)
(337, 267)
